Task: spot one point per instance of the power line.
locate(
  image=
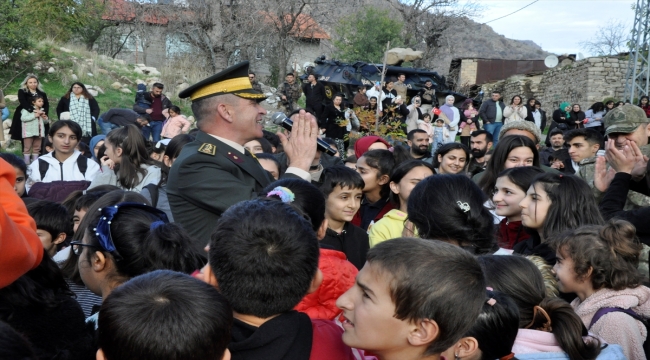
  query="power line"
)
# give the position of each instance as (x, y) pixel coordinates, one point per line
(511, 13)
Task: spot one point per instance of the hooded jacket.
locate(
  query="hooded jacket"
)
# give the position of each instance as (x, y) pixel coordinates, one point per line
(62, 171)
(338, 277)
(617, 327)
(539, 345)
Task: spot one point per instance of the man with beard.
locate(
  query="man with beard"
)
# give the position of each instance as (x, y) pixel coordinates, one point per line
(418, 141)
(556, 137)
(480, 142)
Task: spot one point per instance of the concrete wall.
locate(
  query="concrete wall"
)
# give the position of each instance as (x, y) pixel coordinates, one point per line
(583, 82)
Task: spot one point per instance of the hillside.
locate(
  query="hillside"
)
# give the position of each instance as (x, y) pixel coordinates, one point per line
(469, 39)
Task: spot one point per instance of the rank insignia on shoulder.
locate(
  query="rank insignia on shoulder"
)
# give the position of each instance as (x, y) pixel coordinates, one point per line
(235, 158)
(207, 148)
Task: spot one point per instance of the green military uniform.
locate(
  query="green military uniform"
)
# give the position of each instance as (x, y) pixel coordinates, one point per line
(209, 175)
(292, 92)
(257, 86)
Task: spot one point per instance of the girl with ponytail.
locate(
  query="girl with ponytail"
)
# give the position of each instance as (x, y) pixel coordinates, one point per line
(599, 264)
(546, 325)
(122, 237)
(450, 208)
(126, 163)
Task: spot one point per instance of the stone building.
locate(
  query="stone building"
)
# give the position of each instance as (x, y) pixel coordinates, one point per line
(581, 82)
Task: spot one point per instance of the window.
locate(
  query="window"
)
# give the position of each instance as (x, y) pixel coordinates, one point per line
(176, 44)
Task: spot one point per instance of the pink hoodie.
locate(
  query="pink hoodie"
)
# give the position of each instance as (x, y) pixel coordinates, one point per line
(175, 126)
(617, 327)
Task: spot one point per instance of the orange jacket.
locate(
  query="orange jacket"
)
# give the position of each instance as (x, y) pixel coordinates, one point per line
(20, 248)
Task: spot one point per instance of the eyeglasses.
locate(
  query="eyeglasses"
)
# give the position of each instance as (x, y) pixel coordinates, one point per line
(77, 247)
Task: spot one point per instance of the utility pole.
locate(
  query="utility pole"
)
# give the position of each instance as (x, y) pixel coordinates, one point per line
(637, 77)
(383, 74)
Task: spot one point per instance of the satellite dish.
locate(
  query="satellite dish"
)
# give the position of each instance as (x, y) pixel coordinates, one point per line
(580, 56)
(551, 61)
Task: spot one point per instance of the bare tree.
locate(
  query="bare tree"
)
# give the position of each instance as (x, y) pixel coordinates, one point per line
(610, 39)
(426, 21)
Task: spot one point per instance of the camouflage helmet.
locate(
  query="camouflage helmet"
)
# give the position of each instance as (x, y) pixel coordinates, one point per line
(625, 119)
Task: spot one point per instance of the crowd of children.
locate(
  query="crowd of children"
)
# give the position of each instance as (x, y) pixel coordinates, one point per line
(394, 253)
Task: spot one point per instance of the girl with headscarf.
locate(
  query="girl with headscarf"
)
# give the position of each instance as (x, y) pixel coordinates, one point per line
(367, 143)
(28, 88)
(452, 113)
(562, 117)
(83, 109)
(95, 144)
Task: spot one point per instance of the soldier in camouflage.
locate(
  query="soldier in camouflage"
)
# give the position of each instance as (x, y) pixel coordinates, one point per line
(289, 92)
(256, 84)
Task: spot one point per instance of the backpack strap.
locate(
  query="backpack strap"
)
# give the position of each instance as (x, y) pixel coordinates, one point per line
(82, 164)
(606, 310)
(43, 167)
(153, 192)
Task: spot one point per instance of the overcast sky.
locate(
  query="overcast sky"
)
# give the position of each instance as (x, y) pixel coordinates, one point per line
(558, 26)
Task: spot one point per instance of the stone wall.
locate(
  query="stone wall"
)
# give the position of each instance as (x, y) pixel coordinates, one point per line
(583, 82)
(468, 71)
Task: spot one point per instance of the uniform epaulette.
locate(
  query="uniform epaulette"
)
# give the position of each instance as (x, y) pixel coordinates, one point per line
(208, 148)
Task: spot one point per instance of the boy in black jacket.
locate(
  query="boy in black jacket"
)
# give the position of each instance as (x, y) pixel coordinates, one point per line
(343, 190)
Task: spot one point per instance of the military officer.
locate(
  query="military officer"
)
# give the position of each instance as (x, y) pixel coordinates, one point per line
(215, 171)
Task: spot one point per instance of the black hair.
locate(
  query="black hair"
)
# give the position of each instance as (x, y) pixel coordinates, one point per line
(144, 116)
(497, 326)
(70, 267)
(384, 161)
(290, 74)
(159, 86)
(70, 201)
(590, 135)
(164, 315)
(599, 106)
(432, 280)
(268, 156)
(84, 91)
(350, 159)
(40, 287)
(140, 245)
(644, 97)
(498, 160)
(341, 176)
(175, 109)
(51, 217)
(14, 161)
(84, 149)
(279, 241)
(251, 73)
(556, 131)
(400, 171)
(522, 176)
(134, 154)
(274, 139)
(73, 126)
(538, 103)
(488, 136)
(158, 148)
(172, 151)
(444, 149)
(308, 199)
(14, 345)
(572, 204)
(46, 143)
(450, 208)
(412, 133)
(266, 145)
(35, 97)
(519, 278)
